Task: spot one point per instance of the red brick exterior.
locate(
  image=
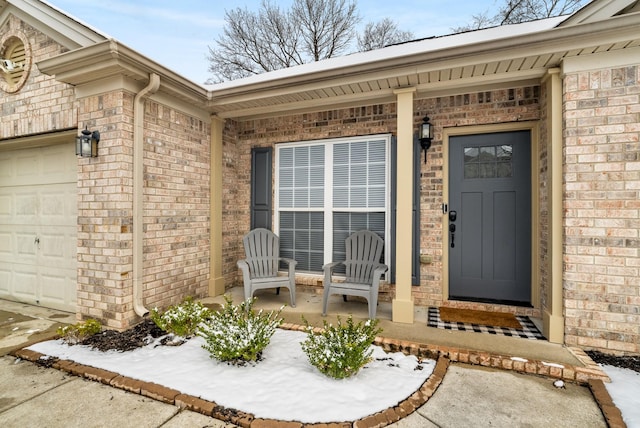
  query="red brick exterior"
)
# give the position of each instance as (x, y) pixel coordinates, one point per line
(176, 209)
(42, 104)
(602, 208)
(518, 104)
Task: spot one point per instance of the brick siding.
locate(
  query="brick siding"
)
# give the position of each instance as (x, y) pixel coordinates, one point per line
(42, 104)
(602, 208)
(176, 209)
(471, 109)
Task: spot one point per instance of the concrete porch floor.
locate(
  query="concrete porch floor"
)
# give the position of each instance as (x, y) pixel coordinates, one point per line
(309, 305)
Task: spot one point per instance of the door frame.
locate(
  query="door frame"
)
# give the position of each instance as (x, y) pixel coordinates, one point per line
(532, 127)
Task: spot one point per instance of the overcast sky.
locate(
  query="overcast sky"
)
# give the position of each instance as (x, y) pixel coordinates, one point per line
(177, 33)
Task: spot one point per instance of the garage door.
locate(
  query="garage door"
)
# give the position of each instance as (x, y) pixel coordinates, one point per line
(38, 211)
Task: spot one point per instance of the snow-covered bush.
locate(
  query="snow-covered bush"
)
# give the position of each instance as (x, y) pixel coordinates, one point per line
(237, 334)
(341, 351)
(76, 333)
(183, 319)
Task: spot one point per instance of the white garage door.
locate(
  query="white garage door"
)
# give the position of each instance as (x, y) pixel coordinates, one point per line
(38, 212)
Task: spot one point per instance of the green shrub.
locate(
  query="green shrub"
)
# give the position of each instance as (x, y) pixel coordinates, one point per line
(341, 351)
(237, 334)
(76, 333)
(183, 319)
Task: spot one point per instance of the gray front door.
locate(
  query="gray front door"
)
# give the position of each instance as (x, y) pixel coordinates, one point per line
(490, 232)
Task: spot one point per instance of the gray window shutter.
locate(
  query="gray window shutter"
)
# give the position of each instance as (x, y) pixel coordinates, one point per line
(415, 266)
(415, 263)
(261, 183)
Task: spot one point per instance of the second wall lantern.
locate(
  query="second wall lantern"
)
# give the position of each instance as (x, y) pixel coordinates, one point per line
(425, 136)
(87, 143)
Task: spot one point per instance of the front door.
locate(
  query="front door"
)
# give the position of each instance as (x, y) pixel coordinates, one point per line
(490, 217)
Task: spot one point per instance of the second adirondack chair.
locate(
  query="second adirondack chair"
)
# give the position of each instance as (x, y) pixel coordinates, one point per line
(260, 267)
(363, 270)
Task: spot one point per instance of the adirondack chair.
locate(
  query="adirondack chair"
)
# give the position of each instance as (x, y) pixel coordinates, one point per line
(260, 268)
(363, 270)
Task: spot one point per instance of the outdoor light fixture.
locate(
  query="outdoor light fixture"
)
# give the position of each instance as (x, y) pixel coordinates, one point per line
(87, 143)
(425, 136)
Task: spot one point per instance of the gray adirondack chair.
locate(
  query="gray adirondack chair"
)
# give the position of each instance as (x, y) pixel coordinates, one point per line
(363, 270)
(260, 268)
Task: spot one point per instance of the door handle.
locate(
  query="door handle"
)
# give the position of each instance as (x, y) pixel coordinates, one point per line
(453, 215)
(452, 230)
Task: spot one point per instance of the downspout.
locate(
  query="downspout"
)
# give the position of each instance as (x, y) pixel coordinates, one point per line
(138, 191)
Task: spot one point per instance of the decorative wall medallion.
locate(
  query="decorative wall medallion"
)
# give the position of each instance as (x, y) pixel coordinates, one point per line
(15, 61)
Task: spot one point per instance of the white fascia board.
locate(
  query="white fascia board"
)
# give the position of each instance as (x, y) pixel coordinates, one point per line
(61, 27)
(597, 10)
(602, 60)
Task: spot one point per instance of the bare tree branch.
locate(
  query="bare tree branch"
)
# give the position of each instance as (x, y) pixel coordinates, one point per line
(271, 38)
(381, 34)
(516, 11)
(328, 26)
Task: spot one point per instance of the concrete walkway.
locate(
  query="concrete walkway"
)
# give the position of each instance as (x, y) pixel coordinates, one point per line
(468, 395)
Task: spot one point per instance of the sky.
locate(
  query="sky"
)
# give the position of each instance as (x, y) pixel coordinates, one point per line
(177, 33)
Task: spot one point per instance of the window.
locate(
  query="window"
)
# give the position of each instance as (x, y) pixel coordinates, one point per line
(488, 162)
(325, 190)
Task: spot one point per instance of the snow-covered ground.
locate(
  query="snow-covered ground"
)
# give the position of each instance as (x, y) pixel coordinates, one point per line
(285, 386)
(624, 389)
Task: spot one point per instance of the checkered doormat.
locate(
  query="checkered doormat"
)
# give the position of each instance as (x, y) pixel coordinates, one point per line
(529, 329)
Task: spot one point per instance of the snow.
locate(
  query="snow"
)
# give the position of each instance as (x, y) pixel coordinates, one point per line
(285, 376)
(284, 385)
(624, 389)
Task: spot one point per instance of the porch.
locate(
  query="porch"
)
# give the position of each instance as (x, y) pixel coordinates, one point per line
(459, 345)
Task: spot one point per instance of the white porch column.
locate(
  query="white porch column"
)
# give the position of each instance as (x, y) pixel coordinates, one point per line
(553, 318)
(402, 305)
(216, 279)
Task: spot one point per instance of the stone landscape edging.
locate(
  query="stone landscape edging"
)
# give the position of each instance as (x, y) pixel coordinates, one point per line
(590, 375)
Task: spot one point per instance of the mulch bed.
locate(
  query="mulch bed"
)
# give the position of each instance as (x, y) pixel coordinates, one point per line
(631, 362)
(140, 335)
(146, 331)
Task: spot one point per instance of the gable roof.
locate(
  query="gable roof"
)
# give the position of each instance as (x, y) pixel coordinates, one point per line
(60, 26)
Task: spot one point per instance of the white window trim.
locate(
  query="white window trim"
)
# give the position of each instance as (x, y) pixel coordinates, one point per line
(328, 194)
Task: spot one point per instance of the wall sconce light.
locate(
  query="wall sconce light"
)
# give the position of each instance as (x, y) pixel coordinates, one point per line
(425, 136)
(87, 143)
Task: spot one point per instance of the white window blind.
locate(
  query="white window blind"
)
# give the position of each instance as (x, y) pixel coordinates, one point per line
(301, 177)
(338, 184)
(359, 174)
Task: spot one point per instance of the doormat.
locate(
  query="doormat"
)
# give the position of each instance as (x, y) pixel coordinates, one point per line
(527, 330)
(470, 316)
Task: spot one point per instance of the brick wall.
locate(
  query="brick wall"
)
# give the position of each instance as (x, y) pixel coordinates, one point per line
(42, 104)
(176, 209)
(480, 108)
(176, 205)
(602, 206)
(471, 109)
(234, 196)
(105, 212)
(543, 200)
